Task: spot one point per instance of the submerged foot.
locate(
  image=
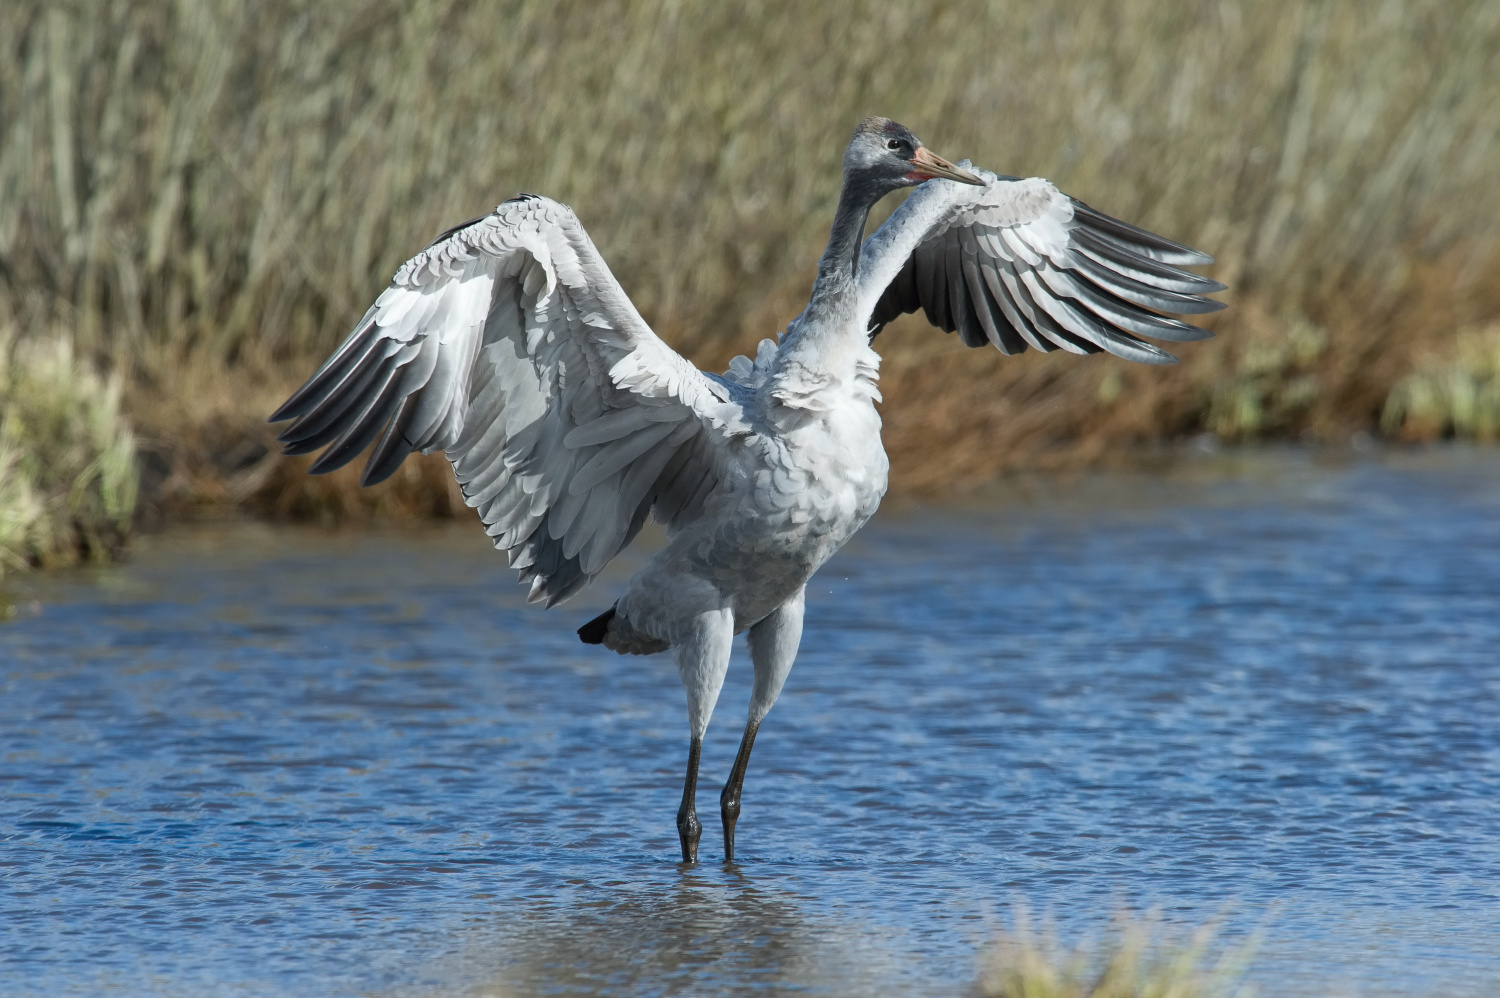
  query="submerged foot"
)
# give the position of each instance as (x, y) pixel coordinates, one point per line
(729, 812)
(689, 830)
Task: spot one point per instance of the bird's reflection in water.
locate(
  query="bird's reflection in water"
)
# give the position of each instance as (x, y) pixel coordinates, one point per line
(719, 932)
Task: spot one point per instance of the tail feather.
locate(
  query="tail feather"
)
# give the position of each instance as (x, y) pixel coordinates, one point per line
(593, 632)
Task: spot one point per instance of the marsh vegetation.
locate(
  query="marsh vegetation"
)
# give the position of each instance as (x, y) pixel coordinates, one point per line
(67, 457)
(203, 197)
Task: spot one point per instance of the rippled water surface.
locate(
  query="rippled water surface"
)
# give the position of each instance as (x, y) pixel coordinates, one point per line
(268, 761)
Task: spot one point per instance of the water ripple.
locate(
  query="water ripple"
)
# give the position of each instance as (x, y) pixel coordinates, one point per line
(257, 761)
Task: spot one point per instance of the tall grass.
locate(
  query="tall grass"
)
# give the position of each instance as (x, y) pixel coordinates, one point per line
(232, 181)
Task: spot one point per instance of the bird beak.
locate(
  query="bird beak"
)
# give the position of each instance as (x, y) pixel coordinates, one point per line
(929, 167)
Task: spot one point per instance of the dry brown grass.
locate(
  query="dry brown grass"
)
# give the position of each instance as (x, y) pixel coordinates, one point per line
(209, 192)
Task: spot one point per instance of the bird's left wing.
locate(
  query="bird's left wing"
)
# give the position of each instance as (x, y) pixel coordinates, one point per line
(508, 344)
(1019, 264)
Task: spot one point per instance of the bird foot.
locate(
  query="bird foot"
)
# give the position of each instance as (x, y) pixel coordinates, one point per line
(689, 830)
(729, 812)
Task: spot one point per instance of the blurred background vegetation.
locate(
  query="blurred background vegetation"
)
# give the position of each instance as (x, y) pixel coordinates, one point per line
(1140, 958)
(67, 458)
(201, 197)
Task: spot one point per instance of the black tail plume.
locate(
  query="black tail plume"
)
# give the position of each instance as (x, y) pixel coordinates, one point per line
(592, 633)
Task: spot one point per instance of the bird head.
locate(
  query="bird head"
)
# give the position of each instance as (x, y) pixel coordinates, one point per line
(887, 155)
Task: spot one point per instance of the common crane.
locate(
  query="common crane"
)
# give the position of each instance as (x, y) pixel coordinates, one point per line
(509, 345)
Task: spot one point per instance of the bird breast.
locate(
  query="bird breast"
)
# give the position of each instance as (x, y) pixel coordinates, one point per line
(804, 488)
(825, 467)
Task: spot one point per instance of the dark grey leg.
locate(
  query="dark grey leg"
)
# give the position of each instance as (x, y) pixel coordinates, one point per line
(689, 828)
(729, 799)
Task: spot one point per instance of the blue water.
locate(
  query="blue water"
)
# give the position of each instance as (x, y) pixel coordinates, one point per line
(271, 761)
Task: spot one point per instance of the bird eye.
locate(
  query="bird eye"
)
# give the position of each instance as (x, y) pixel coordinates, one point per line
(893, 144)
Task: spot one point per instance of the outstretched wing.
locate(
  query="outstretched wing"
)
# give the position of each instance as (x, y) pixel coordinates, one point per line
(1017, 263)
(508, 344)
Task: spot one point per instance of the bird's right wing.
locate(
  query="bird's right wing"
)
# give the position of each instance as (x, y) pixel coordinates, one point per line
(508, 344)
(1017, 264)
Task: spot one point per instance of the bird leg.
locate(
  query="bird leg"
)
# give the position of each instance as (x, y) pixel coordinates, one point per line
(773, 648)
(729, 798)
(701, 647)
(689, 828)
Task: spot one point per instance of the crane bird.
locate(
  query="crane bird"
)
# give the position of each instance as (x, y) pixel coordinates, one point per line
(509, 345)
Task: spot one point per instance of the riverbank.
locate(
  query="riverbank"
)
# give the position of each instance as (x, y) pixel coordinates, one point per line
(83, 459)
(955, 419)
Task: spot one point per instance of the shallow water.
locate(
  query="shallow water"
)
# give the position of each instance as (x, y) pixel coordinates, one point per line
(268, 761)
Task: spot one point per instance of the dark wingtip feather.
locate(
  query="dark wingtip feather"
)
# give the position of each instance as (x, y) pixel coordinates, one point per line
(393, 447)
(593, 632)
(1114, 254)
(1183, 333)
(297, 448)
(1160, 357)
(1141, 293)
(298, 404)
(361, 429)
(557, 593)
(1157, 247)
(1127, 347)
(345, 361)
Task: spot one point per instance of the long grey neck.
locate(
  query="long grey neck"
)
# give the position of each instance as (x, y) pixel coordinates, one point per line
(825, 337)
(840, 263)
